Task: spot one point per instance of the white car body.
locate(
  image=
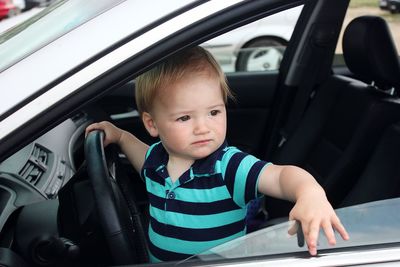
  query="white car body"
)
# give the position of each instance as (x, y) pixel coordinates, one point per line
(278, 27)
(20, 4)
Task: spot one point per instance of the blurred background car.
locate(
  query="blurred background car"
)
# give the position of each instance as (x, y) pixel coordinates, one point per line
(258, 46)
(383, 4)
(392, 5)
(29, 4)
(19, 4)
(7, 9)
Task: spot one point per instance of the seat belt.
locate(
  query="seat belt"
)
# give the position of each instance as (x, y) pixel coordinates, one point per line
(305, 93)
(302, 99)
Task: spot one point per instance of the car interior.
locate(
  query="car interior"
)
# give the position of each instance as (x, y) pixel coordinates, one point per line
(341, 126)
(346, 117)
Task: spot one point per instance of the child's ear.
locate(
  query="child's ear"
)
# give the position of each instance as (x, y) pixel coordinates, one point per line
(149, 124)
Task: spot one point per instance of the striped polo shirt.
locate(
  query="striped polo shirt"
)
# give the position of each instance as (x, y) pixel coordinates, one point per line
(205, 207)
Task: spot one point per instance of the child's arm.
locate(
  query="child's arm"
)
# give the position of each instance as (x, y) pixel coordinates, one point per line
(134, 149)
(312, 208)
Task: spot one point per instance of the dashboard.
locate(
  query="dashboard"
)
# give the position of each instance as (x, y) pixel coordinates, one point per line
(39, 170)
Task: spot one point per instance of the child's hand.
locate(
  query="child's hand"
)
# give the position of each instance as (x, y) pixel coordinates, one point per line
(112, 133)
(314, 211)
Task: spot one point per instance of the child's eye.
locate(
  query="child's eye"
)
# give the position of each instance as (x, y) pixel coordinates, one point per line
(184, 118)
(214, 112)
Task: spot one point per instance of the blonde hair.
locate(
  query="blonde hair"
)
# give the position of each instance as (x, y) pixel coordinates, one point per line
(171, 70)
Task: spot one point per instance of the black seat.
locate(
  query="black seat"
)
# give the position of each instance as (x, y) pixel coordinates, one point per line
(381, 178)
(372, 55)
(341, 126)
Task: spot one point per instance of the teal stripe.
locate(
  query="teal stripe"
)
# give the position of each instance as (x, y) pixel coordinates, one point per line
(197, 221)
(222, 165)
(241, 178)
(155, 188)
(219, 168)
(202, 195)
(187, 247)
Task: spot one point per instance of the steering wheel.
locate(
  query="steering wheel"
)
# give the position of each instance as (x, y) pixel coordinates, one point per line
(118, 215)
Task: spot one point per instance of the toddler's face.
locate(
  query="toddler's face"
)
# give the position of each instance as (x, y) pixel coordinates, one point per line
(190, 116)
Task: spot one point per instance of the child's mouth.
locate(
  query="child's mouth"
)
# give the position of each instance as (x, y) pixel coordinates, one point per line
(202, 142)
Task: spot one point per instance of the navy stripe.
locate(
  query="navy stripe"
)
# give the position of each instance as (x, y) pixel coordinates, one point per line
(231, 171)
(190, 234)
(252, 178)
(164, 255)
(209, 182)
(153, 175)
(191, 208)
(200, 208)
(156, 201)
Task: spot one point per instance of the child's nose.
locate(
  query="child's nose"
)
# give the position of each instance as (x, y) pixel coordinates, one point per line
(201, 127)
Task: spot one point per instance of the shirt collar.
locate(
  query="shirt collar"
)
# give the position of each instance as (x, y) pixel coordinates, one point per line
(207, 165)
(159, 157)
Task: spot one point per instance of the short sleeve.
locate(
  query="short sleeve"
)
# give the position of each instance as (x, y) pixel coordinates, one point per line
(240, 172)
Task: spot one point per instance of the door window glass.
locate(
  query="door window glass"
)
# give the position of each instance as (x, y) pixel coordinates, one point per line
(258, 46)
(389, 10)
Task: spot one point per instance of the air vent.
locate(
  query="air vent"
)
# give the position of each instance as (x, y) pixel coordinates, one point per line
(36, 165)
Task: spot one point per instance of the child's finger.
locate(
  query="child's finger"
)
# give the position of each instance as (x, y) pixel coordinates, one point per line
(340, 228)
(328, 230)
(311, 232)
(293, 226)
(90, 128)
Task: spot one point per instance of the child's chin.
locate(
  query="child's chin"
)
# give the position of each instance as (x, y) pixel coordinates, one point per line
(202, 154)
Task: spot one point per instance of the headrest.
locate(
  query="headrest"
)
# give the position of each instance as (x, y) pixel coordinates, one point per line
(370, 53)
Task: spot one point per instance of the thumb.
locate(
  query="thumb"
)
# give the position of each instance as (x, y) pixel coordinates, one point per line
(293, 227)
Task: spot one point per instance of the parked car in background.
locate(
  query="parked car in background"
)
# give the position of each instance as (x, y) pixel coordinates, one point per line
(64, 204)
(392, 5)
(9, 23)
(257, 46)
(7, 9)
(20, 4)
(29, 4)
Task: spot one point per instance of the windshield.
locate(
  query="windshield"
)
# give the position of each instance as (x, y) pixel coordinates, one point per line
(367, 224)
(47, 26)
(66, 35)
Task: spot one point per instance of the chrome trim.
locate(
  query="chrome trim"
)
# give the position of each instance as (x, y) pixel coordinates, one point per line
(126, 115)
